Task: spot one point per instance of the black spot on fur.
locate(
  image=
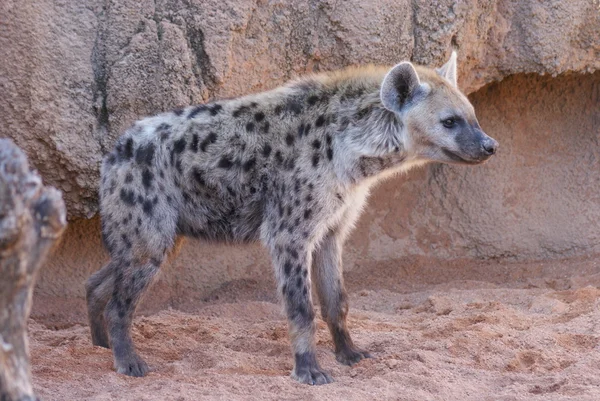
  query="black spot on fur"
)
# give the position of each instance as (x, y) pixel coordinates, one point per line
(242, 109)
(178, 111)
(145, 154)
(225, 162)
(303, 130)
(282, 226)
(315, 159)
(199, 176)
(289, 139)
(287, 267)
(127, 196)
(294, 106)
(266, 151)
(111, 159)
(128, 178)
(328, 139)
(290, 163)
(126, 241)
(197, 110)
(259, 116)
(249, 164)
(313, 99)
(265, 127)
(194, 143)
(307, 214)
(329, 154)
(278, 109)
(293, 253)
(278, 157)
(147, 178)
(309, 198)
(299, 282)
(316, 144)
(320, 121)
(163, 127)
(250, 127)
(148, 207)
(126, 152)
(215, 109)
(179, 145)
(210, 139)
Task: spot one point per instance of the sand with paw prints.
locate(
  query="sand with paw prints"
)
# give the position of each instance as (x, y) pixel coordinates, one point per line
(473, 332)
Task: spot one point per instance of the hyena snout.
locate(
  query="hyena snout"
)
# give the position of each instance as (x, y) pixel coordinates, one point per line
(474, 147)
(489, 146)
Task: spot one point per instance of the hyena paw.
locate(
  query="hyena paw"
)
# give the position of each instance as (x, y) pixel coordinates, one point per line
(133, 366)
(312, 376)
(351, 356)
(308, 371)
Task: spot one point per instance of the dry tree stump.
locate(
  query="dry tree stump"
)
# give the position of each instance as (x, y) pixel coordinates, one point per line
(32, 218)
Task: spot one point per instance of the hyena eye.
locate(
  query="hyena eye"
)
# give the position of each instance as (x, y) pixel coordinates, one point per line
(449, 122)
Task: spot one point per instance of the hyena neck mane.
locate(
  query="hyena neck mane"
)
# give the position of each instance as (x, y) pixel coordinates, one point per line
(369, 139)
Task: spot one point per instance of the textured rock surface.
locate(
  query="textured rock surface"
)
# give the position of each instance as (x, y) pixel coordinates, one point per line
(75, 74)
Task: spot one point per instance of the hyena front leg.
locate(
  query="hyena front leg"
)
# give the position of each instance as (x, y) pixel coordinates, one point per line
(329, 281)
(292, 264)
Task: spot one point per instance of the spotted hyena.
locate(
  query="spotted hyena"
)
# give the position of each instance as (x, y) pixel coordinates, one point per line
(292, 168)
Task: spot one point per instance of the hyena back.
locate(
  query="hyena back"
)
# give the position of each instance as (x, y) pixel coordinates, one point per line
(292, 168)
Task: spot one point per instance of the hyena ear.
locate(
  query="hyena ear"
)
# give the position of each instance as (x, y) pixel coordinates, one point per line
(448, 70)
(398, 86)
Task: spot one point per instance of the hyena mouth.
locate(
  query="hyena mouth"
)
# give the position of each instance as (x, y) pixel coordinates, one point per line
(458, 159)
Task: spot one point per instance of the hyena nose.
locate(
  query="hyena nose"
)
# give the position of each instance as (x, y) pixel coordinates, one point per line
(490, 146)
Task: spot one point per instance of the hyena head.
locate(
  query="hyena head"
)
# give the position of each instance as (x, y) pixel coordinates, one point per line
(439, 121)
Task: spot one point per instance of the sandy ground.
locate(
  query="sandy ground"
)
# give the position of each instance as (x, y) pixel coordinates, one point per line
(465, 331)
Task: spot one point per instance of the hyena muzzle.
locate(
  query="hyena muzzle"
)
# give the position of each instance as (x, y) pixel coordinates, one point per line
(292, 168)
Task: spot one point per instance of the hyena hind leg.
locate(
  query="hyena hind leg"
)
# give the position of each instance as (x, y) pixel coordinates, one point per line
(99, 289)
(329, 281)
(131, 281)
